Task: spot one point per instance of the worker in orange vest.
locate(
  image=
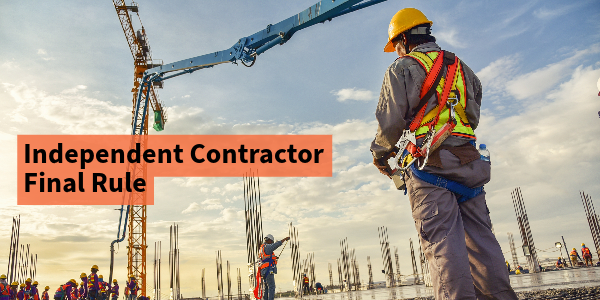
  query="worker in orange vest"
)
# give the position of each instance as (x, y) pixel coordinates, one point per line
(574, 257)
(27, 289)
(64, 291)
(268, 268)
(45, 295)
(93, 284)
(587, 255)
(305, 284)
(34, 293)
(131, 288)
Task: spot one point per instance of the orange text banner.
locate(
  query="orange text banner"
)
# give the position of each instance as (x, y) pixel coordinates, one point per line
(106, 169)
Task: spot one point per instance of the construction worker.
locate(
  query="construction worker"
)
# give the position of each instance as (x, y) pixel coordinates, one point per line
(131, 288)
(454, 228)
(93, 284)
(74, 292)
(27, 289)
(560, 263)
(103, 287)
(13, 290)
(4, 288)
(305, 284)
(21, 294)
(45, 295)
(587, 255)
(574, 257)
(114, 290)
(84, 284)
(268, 269)
(64, 291)
(319, 288)
(34, 294)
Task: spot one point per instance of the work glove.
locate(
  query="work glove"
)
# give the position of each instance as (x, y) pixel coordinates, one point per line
(382, 164)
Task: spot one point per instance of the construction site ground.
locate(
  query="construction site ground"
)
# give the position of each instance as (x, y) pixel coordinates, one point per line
(578, 283)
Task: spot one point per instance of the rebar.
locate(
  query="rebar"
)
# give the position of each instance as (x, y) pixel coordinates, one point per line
(253, 217)
(220, 275)
(370, 286)
(386, 256)
(414, 262)
(513, 250)
(592, 218)
(295, 258)
(526, 234)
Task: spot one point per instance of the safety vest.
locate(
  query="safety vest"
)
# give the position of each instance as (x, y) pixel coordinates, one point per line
(132, 291)
(585, 251)
(61, 291)
(92, 278)
(102, 285)
(306, 280)
(45, 295)
(4, 289)
(269, 260)
(573, 253)
(458, 90)
(115, 290)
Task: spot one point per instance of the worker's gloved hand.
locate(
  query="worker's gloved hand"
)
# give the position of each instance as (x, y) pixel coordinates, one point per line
(382, 164)
(285, 239)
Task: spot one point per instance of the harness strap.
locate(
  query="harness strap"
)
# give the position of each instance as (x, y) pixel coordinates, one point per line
(465, 192)
(428, 88)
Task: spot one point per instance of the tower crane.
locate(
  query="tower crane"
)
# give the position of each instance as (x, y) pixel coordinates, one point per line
(136, 208)
(147, 76)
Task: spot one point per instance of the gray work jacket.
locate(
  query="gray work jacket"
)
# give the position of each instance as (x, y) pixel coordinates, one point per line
(400, 95)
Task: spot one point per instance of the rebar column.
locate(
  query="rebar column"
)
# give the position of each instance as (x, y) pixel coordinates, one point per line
(253, 217)
(370, 286)
(330, 277)
(526, 235)
(592, 218)
(386, 256)
(414, 262)
(513, 250)
(295, 258)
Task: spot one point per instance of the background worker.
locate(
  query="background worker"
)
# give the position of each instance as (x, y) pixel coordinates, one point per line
(93, 284)
(456, 238)
(305, 284)
(27, 289)
(103, 287)
(21, 293)
(587, 255)
(13, 290)
(131, 288)
(34, 293)
(4, 288)
(45, 295)
(84, 283)
(114, 290)
(560, 263)
(269, 267)
(64, 291)
(574, 257)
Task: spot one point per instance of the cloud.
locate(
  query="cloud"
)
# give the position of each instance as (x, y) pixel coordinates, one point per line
(450, 36)
(354, 94)
(71, 111)
(193, 207)
(41, 52)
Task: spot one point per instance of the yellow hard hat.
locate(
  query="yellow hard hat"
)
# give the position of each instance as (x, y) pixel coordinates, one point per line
(402, 21)
(22, 285)
(3, 276)
(81, 283)
(582, 244)
(82, 275)
(47, 288)
(114, 281)
(100, 276)
(95, 267)
(28, 280)
(73, 282)
(35, 283)
(574, 249)
(14, 283)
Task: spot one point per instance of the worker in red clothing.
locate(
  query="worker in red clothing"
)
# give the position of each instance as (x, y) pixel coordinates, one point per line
(587, 255)
(83, 291)
(45, 295)
(27, 289)
(114, 290)
(574, 257)
(93, 284)
(4, 288)
(305, 285)
(103, 287)
(131, 288)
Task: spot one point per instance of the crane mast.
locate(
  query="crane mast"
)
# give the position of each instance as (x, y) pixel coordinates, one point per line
(137, 209)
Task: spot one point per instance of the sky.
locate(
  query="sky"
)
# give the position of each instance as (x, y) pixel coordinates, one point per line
(66, 69)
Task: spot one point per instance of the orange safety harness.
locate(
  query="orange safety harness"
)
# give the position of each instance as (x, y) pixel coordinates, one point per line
(268, 262)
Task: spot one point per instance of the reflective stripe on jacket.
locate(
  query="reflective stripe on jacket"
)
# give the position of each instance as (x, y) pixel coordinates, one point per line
(458, 90)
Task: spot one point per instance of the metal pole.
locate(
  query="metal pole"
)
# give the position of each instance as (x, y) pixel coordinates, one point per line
(566, 251)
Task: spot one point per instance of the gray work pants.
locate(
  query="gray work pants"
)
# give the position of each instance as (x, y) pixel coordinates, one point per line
(269, 293)
(465, 259)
